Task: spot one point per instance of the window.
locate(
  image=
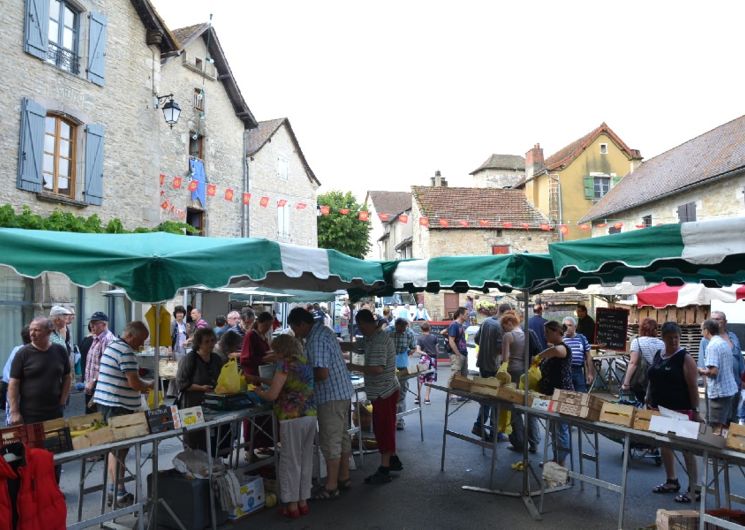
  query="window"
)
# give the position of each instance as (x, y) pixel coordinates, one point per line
(500, 249)
(687, 212)
(196, 145)
(63, 36)
(283, 221)
(198, 99)
(282, 168)
(614, 229)
(195, 218)
(16, 309)
(647, 221)
(59, 156)
(198, 63)
(603, 149)
(601, 185)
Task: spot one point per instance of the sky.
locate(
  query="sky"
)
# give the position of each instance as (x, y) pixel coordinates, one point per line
(381, 94)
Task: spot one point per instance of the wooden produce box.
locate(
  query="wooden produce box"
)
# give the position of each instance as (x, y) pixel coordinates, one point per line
(578, 411)
(486, 381)
(512, 394)
(490, 391)
(736, 437)
(461, 383)
(129, 426)
(85, 435)
(642, 417)
(578, 398)
(677, 519)
(617, 414)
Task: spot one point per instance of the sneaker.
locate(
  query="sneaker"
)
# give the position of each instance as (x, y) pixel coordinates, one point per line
(395, 464)
(400, 426)
(124, 499)
(477, 431)
(427, 402)
(379, 477)
(502, 437)
(416, 401)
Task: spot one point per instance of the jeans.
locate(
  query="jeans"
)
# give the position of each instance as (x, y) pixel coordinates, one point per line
(578, 378)
(401, 404)
(560, 436)
(518, 429)
(485, 411)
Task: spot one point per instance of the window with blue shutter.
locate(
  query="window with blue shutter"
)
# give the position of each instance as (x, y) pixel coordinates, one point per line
(94, 164)
(97, 48)
(589, 186)
(37, 24)
(31, 152)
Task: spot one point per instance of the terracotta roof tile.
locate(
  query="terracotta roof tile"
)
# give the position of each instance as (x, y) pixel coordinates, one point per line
(473, 205)
(563, 157)
(693, 163)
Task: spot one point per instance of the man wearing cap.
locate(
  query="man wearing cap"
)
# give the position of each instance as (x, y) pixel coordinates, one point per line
(102, 336)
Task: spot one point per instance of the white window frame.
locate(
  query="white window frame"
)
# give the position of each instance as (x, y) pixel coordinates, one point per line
(283, 221)
(283, 168)
(596, 181)
(603, 149)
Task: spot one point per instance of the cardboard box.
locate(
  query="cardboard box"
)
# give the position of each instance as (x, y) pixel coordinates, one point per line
(129, 425)
(674, 427)
(736, 437)
(617, 414)
(191, 416)
(160, 419)
(642, 417)
(252, 496)
(677, 519)
(541, 402)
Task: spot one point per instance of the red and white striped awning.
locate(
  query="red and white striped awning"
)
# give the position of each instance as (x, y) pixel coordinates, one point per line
(663, 295)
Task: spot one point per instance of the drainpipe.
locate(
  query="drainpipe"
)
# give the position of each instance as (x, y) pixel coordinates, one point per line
(557, 178)
(245, 227)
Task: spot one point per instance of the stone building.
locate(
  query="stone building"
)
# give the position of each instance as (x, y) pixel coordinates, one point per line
(703, 178)
(208, 143)
(499, 171)
(282, 185)
(387, 235)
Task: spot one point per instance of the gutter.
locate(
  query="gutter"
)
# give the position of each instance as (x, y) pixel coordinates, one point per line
(245, 213)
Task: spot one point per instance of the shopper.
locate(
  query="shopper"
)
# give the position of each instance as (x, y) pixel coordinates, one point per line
(254, 349)
(381, 387)
(457, 342)
(102, 337)
(428, 345)
(643, 350)
(721, 384)
(404, 341)
(585, 323)
(673, 385)
(179, 332)
(291, 390)
(583, 371)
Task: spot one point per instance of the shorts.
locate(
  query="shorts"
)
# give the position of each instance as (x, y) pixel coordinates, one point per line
(333, 428)
(109, 412)
(720, 410)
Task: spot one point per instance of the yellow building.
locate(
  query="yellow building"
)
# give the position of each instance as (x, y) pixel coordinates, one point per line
(568, 183)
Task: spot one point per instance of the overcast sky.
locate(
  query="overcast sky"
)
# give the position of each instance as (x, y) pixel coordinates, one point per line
(381, 94)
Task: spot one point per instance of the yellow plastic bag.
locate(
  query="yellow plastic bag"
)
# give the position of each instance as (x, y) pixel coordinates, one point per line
(151, 399)
(229, 381)
(502, 375)
(534, 378)
(504, 423)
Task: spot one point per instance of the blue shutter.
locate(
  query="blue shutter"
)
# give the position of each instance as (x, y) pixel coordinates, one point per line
(31, 149)
(96, 48)
(94, 164)
(37, 24)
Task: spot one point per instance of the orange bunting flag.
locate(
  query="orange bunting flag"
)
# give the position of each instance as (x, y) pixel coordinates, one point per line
(165, 204)
(364, 215)
(300, 206)
(444, 223)
(384, 217)
(618, 226)
(246, 198)
(463, 223)
(325, 209)
(525, 225)
(564, 229)
(281, 203)
(424, 221)
(601, 225)
(162, 178)
(211, 190)
(264, 202)
(545, 226)
(176, 183)
(403, 218)
(229, 193)
(507, 224)
(344, 211)
(584, 227)
(193, 185)
(483, 223)
(640, 226)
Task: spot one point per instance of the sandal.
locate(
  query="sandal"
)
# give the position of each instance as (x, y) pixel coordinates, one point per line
(344, 485)
(427, 402)
(304, 510)
(685, 498)
(323, 494)
(290, 514)
(669, 486)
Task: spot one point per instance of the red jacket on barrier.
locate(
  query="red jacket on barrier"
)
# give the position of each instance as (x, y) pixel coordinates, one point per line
(6, 510)
(41, 505)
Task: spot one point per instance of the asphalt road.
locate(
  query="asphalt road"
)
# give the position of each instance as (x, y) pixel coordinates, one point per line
(425, 497)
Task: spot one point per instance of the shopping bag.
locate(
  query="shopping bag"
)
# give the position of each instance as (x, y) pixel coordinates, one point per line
(534, 378)
(502, 375)
(229, 380)
(504, 422)
(151, 400)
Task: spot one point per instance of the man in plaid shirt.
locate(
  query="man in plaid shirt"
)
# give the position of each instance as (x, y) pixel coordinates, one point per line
(102, 337)
(404, 340)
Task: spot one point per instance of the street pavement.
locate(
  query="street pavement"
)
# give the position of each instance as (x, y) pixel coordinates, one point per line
(424, 497)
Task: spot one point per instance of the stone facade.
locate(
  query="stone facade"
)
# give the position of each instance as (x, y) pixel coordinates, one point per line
(280, 155)
(221, 133)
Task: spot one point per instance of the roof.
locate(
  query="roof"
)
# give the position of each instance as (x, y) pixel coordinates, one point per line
(390, 202)
(476, 204)
(153, 22)
(565, 156)
(713, 155)
(263, 133)
(186, 36)
(512, 162)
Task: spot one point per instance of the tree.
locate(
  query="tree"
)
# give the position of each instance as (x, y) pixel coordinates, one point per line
(345, 233)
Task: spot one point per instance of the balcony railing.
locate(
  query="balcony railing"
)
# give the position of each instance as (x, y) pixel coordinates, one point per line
(62, 58)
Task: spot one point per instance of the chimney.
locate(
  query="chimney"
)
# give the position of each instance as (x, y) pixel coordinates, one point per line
(534, 161)
(438, 181)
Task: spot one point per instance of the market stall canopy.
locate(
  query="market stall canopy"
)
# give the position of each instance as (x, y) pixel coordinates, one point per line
(293, 296)
(151, 267)
(711, 252)
(663, 295)
(532, 272)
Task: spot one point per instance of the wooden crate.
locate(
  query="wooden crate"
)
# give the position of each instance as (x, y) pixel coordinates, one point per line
(642, 417)
(461, 383)
(511, 394)
(78, 423)
(677, 519)
(582, 399)
(490, 391)
(129, 425)
(578, 411)
(736, 437)
(486, 381)
(100, 436)
(617, 414)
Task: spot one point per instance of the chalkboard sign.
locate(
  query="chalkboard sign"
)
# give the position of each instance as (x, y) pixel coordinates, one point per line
(611, 325)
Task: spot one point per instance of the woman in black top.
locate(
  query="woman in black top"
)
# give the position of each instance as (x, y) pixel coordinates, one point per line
(673, 385)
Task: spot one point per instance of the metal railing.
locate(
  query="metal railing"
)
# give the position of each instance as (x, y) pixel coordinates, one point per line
(64, 59)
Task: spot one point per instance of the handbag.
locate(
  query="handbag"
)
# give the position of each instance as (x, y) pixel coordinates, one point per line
(640, 377)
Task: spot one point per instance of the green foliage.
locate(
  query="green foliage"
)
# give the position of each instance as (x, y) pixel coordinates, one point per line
(60, 221)
(345, 233)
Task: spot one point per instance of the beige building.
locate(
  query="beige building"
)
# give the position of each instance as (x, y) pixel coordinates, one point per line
(703, 178)
(390, 239)
(279, 175)
(499, 171)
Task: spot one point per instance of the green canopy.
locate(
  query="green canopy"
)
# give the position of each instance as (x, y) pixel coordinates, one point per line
(151, 267)
(712, 252)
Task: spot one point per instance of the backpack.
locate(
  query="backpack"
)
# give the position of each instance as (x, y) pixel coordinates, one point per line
(640, 378)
